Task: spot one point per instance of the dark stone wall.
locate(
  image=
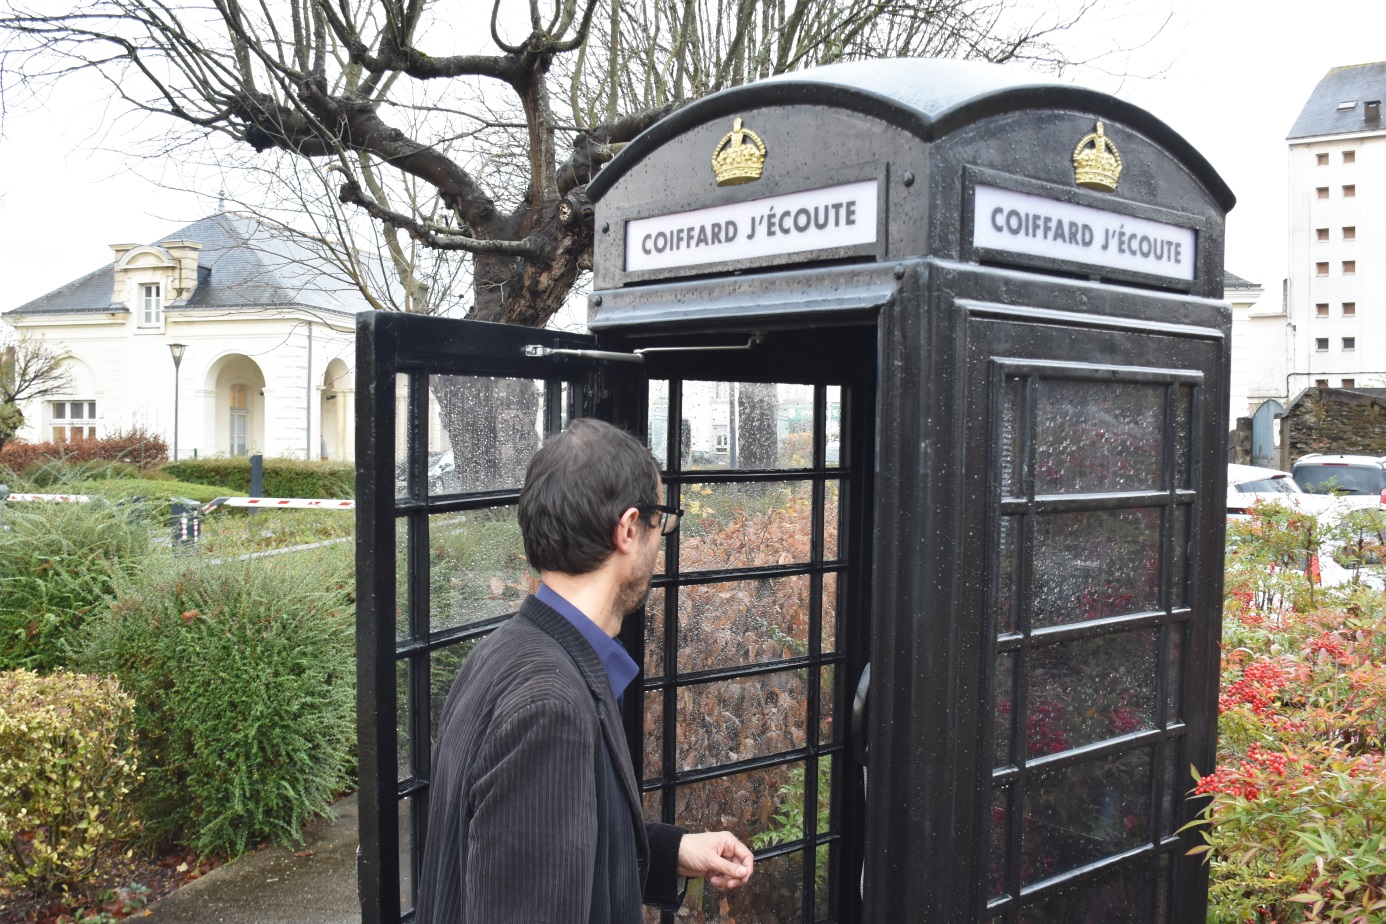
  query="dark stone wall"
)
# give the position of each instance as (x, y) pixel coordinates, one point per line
(1333, 420)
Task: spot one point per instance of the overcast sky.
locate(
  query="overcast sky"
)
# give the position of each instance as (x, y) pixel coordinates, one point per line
(1236, 75)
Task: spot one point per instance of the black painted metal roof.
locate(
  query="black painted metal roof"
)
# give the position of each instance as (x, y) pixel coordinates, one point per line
(929, 97)
(1356, 83)
(1233, 281)
(243, 263)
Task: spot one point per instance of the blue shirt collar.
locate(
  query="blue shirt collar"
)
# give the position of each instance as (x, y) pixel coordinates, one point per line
(621, 668)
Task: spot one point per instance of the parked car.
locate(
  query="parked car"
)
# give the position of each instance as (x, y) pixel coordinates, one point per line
(1248, 484)
(1359, 481)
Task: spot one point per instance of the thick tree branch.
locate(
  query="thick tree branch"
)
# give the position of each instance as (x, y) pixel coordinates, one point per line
(429, 235)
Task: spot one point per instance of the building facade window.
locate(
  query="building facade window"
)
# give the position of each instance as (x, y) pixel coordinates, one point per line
(1321, 234)
(1321, 344)
(151, 305)
(1349, 191)
(1320, 269)
(1349, 267)
(1349, 343)
(1321, 192)
(239, 419)
(1321, 310)
(1320, 383)
(1349, 383)
(1321, 160)
(1349, 309)
(1349, 232)
(1349, 157)
(73, 420)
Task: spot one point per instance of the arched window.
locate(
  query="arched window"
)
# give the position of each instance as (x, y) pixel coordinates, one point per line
(239, 409)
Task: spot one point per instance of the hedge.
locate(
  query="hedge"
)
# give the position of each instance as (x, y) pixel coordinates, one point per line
(283, 477)
(136, 446)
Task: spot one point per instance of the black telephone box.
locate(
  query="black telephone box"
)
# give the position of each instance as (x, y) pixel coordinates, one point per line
(933, 357)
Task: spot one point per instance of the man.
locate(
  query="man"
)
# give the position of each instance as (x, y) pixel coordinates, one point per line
(536, 816)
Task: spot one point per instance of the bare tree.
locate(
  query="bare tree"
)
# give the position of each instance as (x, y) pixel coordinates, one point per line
(480, 154)
(29, 370)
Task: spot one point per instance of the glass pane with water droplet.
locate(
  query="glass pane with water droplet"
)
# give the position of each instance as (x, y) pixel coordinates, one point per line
(1012, 426)
(482, 431)
(654, 734)
(744, 525)
(998, 825)
(1079, 813)
(1004, 711)
(727, 721)
(1090, 690)
(401, 435)
(1181, 416)
(1095, 564)
(746, 426)
(1098, 436)
(658, 436)
(477, 567)
(654, 634)
(1007, 563)
(743, 622)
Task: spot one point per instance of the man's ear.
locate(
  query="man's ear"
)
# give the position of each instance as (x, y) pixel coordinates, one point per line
(625, 535)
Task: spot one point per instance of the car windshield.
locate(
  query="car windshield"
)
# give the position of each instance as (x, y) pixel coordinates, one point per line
(1340, 479)
(1280, 484)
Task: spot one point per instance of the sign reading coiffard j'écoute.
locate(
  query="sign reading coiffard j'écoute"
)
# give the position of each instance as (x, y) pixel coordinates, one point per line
(1038, 226)
(794, 223)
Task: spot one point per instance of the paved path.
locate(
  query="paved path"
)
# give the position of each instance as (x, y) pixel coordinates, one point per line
(273, 886)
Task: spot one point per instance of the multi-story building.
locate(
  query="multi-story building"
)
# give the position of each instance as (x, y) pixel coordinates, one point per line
(1336, 305)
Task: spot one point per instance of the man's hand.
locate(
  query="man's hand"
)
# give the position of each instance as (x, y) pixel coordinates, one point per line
(718, 857)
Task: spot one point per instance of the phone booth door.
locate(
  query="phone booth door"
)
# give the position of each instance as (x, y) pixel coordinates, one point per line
(756, 628)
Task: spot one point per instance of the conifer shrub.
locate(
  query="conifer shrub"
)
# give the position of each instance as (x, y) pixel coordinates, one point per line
(57, 563)
(67, 766)
(244, 682)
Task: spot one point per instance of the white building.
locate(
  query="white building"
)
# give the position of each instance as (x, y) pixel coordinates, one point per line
(1337, 274)
(1243, 296)
(268, 331)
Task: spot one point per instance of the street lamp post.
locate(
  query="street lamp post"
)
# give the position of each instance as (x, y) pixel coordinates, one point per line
(177, 349)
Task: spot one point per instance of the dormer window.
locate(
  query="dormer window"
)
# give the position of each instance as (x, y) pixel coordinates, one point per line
(1373, 110)
(151, 305)
(1347, 105)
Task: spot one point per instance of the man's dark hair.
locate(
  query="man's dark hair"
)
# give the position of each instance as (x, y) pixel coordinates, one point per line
(576, 488)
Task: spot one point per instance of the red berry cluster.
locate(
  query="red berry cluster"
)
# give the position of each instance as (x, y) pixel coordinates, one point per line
(1267, 760)
(1122, 721)
(1328, 644)
(1229, 780)
(1256, 688)
(1046, 735)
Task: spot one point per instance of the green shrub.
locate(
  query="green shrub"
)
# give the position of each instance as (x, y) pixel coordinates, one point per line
(243, 676)
(50, 473)
(283, 477)
(67, 765)
(57, 563)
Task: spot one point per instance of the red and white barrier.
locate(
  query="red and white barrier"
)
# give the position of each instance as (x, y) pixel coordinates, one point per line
(282, 503)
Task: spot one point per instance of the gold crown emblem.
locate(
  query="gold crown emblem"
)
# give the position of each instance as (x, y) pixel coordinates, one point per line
(1096, 163)
(737, 160)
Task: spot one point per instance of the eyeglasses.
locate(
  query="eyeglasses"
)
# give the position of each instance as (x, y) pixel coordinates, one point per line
(668, 519)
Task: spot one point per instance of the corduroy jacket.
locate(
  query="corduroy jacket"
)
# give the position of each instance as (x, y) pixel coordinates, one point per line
(535, 812)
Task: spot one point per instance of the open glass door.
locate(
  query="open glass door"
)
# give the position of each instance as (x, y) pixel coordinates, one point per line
(450, 413)
(756, 627)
